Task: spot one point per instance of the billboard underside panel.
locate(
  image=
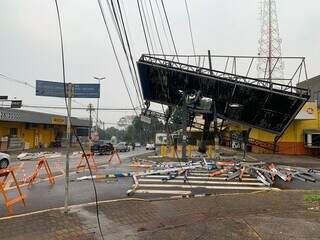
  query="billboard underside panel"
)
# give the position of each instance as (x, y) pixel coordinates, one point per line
(257, 106)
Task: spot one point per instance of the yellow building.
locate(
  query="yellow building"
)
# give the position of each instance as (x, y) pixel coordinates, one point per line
(21, 129)
(302, 137)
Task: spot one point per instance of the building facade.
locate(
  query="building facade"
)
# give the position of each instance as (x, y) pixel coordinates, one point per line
(313, 84)
(20, 129)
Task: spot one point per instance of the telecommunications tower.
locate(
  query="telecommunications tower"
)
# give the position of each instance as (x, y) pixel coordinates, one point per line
(271, 66)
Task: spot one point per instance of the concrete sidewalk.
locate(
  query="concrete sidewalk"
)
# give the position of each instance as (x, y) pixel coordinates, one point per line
(267, 215)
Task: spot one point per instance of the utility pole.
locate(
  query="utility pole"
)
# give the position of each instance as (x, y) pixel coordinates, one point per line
(69, 139)
(90, 109)
(98, 102)
(185, 119)
(215, 119)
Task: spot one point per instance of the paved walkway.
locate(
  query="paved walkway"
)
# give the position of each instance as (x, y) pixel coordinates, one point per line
(265, 215)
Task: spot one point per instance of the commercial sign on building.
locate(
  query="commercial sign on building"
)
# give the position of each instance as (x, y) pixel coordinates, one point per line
(309, 111)
(58, 120)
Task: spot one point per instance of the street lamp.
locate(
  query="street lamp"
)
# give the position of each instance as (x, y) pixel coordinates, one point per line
(98, 101)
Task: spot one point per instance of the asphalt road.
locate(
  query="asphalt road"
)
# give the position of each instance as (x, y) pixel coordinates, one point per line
(43, 196)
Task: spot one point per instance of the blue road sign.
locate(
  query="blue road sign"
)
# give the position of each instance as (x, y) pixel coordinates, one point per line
(56, 89)
(86, 90)
(49, 89)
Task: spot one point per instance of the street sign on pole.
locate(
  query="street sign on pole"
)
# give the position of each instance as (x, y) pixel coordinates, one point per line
(50, 89)
(56, 89)
(69, 91)
(86, 90)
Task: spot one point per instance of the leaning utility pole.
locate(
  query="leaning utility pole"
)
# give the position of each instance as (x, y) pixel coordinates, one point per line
(270, 67)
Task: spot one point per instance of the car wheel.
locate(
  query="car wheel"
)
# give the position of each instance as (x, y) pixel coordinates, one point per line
(4, 163)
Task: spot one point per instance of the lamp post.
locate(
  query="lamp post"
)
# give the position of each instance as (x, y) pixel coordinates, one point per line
(98, 102)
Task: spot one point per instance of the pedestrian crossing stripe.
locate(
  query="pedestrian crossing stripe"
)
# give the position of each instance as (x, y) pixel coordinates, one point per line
(199, 177)
(202, 186)
(196, 179)
(203, 182)
(163, 192)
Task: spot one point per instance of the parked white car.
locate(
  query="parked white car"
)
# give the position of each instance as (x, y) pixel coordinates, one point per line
(4, 160)
(150, 146)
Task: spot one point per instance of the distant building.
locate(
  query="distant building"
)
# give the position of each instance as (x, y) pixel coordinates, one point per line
(20, 129)
(313, 84)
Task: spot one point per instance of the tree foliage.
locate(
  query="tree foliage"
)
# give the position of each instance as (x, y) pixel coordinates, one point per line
(138, 131)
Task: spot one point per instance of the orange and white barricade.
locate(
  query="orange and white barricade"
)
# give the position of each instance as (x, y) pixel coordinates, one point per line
(4, 175)
(42, 163)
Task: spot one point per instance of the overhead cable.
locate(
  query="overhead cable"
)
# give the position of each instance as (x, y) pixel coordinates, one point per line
(130, 51)
(163, 26)
(113, 12)
(115, 53)
(169, 27)
(190, 27)
(156, 27)
(147, 26)
(69, 115)
(143, 27)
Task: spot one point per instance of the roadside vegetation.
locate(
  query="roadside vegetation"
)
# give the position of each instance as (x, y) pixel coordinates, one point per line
(312, 197)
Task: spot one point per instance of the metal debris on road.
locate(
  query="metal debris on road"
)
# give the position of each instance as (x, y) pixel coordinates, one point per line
(33, 156)
(181, 175)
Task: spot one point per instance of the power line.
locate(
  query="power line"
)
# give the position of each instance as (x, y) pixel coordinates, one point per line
(143, 27)
(147, 26)
(16, 80)
(150, 23)
(70, 123)
(113, 13)
(190, 27)
(169, 27)
(129, 56)
(115, 52)
(156, 27)
(130, 51)
(163, 26)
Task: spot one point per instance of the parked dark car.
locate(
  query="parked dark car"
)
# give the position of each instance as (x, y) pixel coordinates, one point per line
(102, 147)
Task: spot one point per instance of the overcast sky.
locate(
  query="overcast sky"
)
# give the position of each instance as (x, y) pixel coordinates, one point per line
(30, 49)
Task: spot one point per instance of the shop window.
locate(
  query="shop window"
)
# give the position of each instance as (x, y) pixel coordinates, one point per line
(13, 131)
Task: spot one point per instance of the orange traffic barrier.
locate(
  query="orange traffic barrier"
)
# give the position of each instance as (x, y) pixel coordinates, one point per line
(83, 163)
(43, 162)
(4, 174)
(219, 172)
(114, 153)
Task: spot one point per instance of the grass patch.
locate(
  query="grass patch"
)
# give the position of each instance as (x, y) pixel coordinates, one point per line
(312, 197)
